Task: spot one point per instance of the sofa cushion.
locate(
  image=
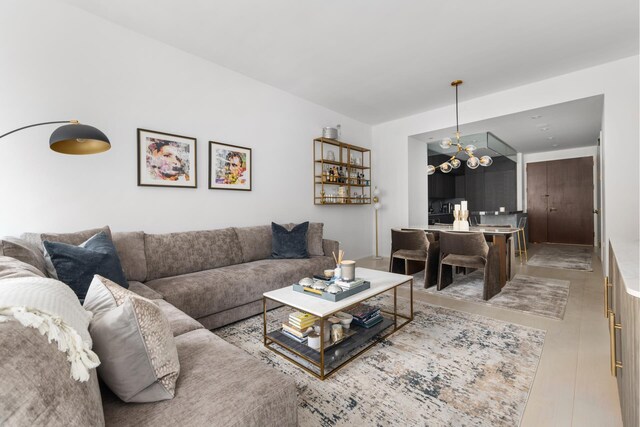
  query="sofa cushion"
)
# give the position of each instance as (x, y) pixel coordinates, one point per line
(219, 384)
(180, 323)
(133, 338)
(23, 251)
(255, 242)
(37, 389)
(211, 291)
(12, 268)
(130, 247)
(187, 252)
(76, 265)
(143, 290)
(289, 244)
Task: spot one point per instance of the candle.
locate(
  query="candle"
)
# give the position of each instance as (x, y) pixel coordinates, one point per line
(464, 205)
(457, 207)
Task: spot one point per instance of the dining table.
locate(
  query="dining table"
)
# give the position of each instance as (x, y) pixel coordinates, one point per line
(501, 236)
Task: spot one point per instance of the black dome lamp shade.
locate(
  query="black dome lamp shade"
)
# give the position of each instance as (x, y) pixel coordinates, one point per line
(74, 138)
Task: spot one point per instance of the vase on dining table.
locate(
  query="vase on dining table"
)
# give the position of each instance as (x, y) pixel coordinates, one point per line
(464, 221)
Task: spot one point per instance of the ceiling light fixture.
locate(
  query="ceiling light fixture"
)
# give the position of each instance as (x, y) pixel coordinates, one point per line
(454, 162)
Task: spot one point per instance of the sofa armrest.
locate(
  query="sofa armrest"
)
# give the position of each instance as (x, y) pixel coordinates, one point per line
(329, 246)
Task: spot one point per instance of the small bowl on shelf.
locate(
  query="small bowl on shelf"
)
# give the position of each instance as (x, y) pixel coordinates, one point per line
(345, 319)
(328, 273)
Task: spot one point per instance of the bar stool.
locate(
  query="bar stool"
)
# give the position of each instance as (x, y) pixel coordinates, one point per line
(522, 241)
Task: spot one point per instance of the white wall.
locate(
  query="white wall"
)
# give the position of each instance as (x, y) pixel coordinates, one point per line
(59, 62)
(418, 189)
(570, 153)
(617, 80)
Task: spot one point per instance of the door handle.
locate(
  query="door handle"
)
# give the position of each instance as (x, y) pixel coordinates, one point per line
(552, 209)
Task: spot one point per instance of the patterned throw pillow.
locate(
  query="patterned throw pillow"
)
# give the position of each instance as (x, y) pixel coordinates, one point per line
(133, 340)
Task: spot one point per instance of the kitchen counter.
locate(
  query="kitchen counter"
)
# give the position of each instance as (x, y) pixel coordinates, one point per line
(627, 254)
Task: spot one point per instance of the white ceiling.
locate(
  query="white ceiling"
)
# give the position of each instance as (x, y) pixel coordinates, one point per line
(377, 60)
(555, 127)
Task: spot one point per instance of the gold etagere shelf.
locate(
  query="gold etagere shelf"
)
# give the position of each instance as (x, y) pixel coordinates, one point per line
(342, 173)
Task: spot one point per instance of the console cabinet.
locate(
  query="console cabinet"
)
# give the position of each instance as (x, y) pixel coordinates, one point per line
(623, 314)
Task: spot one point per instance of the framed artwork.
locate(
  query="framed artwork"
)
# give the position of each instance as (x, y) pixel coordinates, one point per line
(166, 160)
(229, 167)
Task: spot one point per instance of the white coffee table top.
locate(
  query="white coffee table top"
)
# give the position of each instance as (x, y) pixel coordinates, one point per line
(380, 281)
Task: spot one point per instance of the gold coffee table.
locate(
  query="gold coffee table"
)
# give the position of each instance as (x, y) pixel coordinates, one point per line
(330, 358)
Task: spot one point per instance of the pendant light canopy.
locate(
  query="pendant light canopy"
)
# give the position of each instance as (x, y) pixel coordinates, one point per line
(454, 162)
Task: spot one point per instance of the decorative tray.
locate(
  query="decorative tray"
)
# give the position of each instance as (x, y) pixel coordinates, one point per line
(332, 297)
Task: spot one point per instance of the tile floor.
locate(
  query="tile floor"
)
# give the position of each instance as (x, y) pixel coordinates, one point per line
(573, 385)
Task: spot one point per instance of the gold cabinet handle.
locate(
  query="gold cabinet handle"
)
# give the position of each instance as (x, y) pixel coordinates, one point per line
(615, 364)
(607, 285)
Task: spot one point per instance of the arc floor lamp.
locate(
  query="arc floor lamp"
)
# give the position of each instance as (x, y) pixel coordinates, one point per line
(73, 138)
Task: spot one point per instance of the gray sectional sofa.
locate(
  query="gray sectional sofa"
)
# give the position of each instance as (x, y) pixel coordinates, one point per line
(201, 280)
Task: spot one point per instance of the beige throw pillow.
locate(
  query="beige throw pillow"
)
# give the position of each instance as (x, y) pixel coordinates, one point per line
(133, 339)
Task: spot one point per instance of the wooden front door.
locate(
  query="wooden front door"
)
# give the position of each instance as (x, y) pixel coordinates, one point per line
(560, 201)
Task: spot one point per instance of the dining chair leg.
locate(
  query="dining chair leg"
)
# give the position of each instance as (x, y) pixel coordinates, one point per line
(519, 246)
(524, 243)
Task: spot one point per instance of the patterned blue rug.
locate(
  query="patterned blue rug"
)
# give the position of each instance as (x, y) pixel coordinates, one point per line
(446, 368)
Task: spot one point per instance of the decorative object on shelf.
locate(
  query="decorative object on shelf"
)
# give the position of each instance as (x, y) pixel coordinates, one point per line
(73, 138)
(337, 334)
(455, 161)
(376, 207)
(333, 289)
(331, 133)
(229, 167)
(313, 340)
(328, 272)
(166, 160)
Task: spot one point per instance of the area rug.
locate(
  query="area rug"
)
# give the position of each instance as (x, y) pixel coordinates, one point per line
(445, 368)
(533, 295)
(563, 256)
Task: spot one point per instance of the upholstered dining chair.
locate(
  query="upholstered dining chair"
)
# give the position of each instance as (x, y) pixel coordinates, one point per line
(470, 251)
(412, 251)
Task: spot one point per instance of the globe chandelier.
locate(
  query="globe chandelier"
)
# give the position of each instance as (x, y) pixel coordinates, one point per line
(454, 161)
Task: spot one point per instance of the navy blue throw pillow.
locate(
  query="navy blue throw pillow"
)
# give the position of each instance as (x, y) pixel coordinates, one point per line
(287, 244)
(76, 265)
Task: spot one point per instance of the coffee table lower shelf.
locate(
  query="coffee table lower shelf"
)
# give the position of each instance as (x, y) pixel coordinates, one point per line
(337, 354)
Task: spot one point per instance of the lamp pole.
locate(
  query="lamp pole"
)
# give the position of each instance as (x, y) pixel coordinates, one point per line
(376, 206)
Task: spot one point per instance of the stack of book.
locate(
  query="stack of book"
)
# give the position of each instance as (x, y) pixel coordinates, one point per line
(351, 284)
(297, 328)
(365, 315)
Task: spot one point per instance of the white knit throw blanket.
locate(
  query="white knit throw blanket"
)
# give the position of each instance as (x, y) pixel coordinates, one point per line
(33, 302)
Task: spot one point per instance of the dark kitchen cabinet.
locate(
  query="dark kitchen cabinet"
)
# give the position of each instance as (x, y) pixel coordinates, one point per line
(460, 186)
(474, 189)
(442, 186)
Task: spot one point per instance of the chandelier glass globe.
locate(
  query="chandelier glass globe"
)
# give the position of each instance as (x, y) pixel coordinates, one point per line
(446, 167)
(455, 163)
(445, 143)
(473, 163)
(469, 149)
(486, 161)
(431, 169)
